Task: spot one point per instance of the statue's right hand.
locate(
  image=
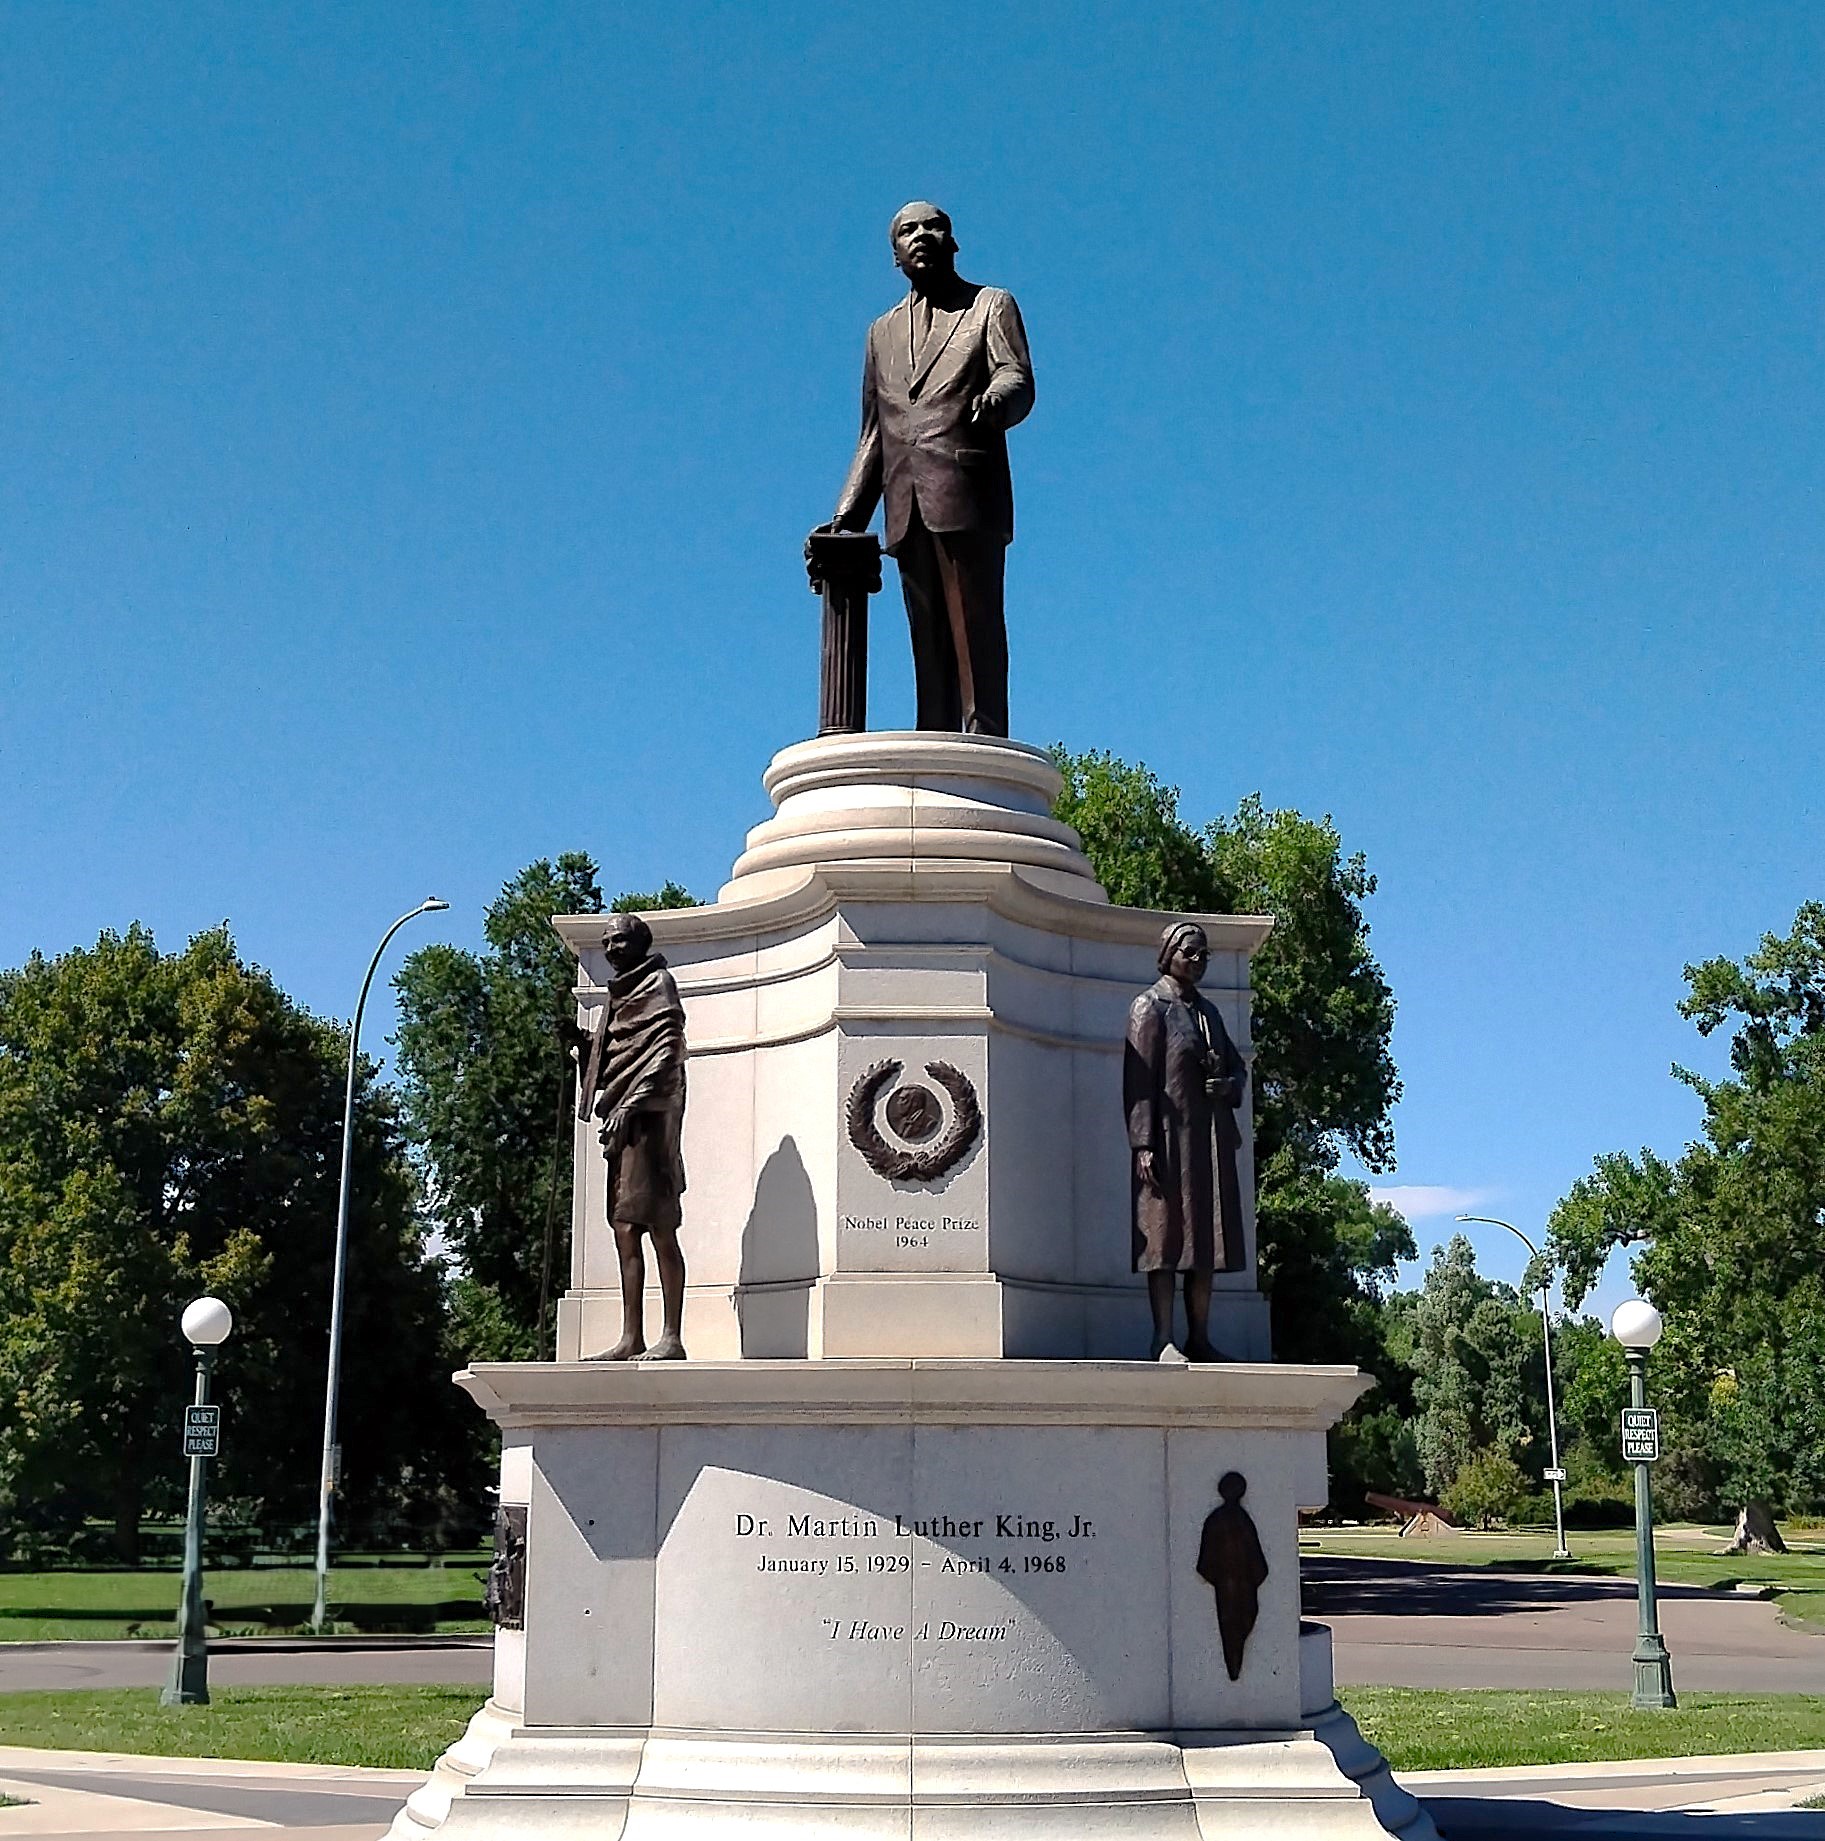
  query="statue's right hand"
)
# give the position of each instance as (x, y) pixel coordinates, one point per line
(1145, 1170)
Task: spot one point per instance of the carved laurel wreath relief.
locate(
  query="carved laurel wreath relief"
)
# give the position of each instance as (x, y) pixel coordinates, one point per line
(913, 1113)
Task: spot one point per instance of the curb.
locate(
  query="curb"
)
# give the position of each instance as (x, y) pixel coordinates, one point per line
(162, 1764)
(1688, 1765)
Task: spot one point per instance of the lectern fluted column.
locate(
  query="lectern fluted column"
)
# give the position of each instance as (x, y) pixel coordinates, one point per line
(845, 568)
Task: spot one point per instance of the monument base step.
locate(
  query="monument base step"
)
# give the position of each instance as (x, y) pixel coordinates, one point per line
(504, 1781)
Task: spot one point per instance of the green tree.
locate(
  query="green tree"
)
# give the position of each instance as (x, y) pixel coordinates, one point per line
(1478, 1370)
(1490, 1491)
(668, 895)
(170, 1124)
(1730, 1236)
(487, 1085)
(1324, 1077)
(1592, 1377)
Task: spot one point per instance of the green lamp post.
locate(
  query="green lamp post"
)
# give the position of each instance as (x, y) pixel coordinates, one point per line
(1637, 1326)
(206, 1323)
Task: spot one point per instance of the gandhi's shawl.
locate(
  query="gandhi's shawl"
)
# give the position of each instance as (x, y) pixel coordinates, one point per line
(636, 1052)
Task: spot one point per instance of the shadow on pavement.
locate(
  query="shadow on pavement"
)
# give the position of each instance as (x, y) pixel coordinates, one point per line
(1477, 1818)
(1425, 1588)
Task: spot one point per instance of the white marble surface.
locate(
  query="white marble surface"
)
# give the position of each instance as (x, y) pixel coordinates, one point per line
(807, 972)
(946, 1548)
(591, 1541)
(746, 1650)
(905, 795)
(916, 1598)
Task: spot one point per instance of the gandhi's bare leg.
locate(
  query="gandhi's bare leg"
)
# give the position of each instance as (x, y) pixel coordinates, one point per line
(1160, 1287)
(633, 1296)
(670, 1258)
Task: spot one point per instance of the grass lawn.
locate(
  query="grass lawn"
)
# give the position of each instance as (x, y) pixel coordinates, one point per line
(406, 1727)
(1682, 1555)
(402, 1728)
(1427, 1729)
(253, 1601)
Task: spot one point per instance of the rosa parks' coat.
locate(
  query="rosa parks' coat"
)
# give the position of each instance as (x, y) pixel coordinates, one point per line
(1174, 1048)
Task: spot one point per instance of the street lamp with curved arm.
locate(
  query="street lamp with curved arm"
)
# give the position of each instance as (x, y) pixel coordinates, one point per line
(1560, 1551)
(327, 1481)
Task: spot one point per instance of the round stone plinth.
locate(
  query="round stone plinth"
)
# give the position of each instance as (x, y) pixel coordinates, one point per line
(910, 796)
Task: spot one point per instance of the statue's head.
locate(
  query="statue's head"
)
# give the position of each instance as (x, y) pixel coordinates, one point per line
(627, 940)
(923, 247)
(1232, 1486)
(1184, 952)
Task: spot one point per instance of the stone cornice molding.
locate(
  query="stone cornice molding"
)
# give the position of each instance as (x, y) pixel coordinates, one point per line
(1259, 1395)
(1003, 888)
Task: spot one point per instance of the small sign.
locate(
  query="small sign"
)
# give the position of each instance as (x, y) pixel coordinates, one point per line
(202, 1431)
(1640, 1434)
(1555, 1476)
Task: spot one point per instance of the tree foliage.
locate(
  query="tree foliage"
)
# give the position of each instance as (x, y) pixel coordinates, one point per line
(485, 1080)
(1730, 1236)
(1479, 1379)
(1489, 1491)
(1324, 1078)
(170, 1124)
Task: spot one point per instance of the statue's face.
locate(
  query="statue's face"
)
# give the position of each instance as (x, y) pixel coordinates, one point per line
(1189, 960)
(622, 945)
(922, 242)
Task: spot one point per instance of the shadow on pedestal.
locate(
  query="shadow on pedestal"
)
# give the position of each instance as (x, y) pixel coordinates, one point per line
(779, 1259)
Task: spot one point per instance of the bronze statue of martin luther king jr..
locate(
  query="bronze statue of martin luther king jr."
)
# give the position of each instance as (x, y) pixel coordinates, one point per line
(945, 376)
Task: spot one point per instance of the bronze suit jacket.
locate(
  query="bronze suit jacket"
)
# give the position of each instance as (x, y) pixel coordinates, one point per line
(919, 443)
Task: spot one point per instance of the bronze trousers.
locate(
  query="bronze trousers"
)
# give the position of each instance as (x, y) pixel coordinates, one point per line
(952, 581)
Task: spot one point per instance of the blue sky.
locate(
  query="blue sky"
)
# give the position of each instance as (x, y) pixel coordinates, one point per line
(414, 413)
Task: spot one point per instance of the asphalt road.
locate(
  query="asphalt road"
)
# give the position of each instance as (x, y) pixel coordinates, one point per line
(138, 1665)
(1405, 1623)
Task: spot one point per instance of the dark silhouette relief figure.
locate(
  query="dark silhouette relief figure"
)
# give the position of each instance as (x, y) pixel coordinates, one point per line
(1231, 1563)
(633, 1082)
(945, 376)
(1182, 1080)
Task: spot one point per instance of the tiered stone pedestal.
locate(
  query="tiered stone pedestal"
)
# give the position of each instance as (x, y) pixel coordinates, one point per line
(862, 1567)
(911, 900)
(909, 1599)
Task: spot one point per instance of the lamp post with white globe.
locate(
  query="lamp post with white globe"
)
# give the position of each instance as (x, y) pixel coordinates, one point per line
(1637, 1326)
(206, 1323)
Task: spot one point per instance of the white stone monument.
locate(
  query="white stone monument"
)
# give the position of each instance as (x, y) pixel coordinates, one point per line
(917, 1544)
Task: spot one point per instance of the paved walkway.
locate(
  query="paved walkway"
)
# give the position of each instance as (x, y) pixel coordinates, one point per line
(1742, 1798)
(1404, 1623)
(108, 1797)
(112, 1797)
